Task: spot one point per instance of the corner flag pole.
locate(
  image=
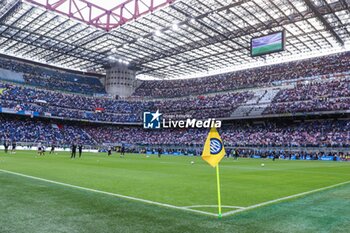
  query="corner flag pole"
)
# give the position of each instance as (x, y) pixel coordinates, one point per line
(213, 152)
(219, 194)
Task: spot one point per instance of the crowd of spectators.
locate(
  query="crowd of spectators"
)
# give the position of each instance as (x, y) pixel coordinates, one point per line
(326, 133)
(324, 95)
(54, 79)
(312, 97)
(75, 106)
(265, 75)
(320, 88)
(264, 135)
(37, 131)
(315, 96)
(203, 107)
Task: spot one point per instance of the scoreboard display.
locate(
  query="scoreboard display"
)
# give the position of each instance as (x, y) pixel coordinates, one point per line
(267, 44)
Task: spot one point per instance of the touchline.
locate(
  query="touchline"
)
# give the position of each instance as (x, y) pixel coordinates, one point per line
(191, 123)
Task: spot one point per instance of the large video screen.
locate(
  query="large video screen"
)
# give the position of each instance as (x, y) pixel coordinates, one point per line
(267, 44)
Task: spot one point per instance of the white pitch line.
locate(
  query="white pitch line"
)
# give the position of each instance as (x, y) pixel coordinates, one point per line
(173, 206)
(214, 206)
(108, 193)
(283, 198)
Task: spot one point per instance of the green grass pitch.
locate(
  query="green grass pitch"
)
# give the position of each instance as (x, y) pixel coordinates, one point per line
(33, 205)
(266, 49)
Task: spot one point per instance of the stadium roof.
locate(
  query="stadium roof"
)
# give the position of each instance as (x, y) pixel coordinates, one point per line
(168, 38)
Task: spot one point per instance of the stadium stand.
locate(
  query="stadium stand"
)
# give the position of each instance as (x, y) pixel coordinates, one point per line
(321, 92)
(327, 133)
(317, 96)
(263, 76)
(265, 134)
(51, 79)
(56, 104)
(33, 131)
(11, 76)
(321, 95)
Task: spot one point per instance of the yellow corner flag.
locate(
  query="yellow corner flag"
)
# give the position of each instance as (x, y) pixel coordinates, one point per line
(213, 152)
(214, 149)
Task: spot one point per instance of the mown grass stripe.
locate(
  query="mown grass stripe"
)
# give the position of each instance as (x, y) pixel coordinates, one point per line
(284, 198)
(109, 193)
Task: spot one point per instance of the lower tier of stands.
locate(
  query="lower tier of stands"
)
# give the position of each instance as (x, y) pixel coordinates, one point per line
(268, 133)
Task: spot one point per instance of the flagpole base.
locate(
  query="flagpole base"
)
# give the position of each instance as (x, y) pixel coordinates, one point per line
(219, 216)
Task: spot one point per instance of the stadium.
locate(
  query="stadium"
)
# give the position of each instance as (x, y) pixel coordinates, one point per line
(115, 116)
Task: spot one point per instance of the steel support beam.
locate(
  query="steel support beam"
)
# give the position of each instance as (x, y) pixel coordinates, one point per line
(106, 19)
(10, 10)
(323, 21)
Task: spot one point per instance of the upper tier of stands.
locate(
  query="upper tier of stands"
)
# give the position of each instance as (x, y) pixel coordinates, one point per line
(52, 79)
(322, 91)
(262, 76)
(320, 95)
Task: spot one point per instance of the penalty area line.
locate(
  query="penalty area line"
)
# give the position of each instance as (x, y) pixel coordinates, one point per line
(110, 194)
(283, 198)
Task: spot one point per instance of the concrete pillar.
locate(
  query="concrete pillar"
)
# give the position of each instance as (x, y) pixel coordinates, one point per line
(120, 80)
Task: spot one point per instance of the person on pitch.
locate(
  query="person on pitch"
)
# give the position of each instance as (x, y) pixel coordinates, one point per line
(159, 152)
(122, 151)
(14, 145)
(40, 149)
(52, 151)
(80, 149)
(6, 146)
(74, 151)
